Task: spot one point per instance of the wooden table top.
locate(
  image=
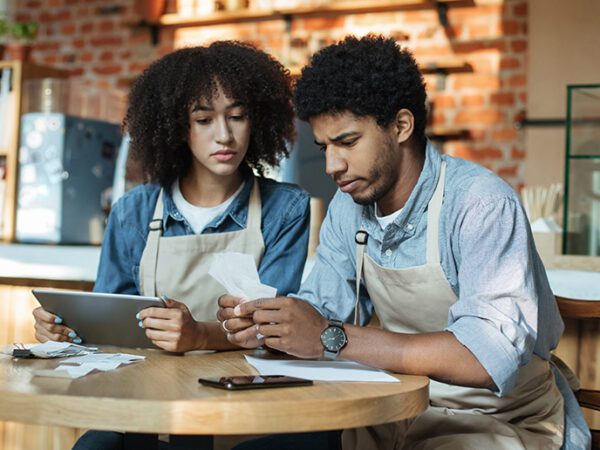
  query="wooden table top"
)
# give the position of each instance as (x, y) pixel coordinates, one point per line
(162, 395)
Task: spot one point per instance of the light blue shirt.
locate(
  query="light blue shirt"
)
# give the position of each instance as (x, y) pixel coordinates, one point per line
(505, 310)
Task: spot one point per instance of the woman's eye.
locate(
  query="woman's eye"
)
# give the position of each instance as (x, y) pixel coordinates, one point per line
(203, 121)
(238, 117)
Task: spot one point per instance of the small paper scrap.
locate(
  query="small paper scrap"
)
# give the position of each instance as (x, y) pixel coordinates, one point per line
(51, 349)
(82, 365)
(237, 273)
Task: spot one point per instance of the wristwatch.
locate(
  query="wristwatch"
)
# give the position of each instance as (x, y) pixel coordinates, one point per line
(334, 339)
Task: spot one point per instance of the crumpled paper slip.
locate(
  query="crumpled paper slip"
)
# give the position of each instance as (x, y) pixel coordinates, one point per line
(238, 275)
(81, 366)
(51, 349)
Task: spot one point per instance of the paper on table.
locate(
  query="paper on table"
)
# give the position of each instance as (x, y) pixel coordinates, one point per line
(82, 365)
(320, 370)
(237, 273)
(52, 349)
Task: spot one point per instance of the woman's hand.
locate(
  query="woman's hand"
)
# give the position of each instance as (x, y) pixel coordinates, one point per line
(172, 328)
(48, 328)
(241, 330)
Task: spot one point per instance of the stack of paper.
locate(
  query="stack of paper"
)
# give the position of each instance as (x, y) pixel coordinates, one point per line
(51, 349)
(82, 365)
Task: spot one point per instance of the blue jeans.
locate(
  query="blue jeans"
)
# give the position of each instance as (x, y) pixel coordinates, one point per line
(296, 441)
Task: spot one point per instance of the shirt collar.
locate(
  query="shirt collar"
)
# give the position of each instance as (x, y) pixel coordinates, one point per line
(418, 200)
(237, 210)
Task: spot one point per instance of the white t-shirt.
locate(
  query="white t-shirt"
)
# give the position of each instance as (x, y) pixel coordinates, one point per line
(197, 216)
(384, 221)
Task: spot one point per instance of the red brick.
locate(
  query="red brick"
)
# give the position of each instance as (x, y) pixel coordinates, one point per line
(520, 10)
(517, 80)
(472, 100)
(87, 27)
(509, 171)
(476, 81)
(79, 43)
(106, 56)
(106, 26)
(477, 154)
(509, 63)
(519, 46)
(505, 134)
(511, 27)
(517, 154)
(87, 57)
(443, 101)
(50, 59)
(523, 97)
(68, 28)
(106, 41)
(108, 70)
(324, 23)
(438, 119)
(503, 98)
(76, 72)
(483, 117)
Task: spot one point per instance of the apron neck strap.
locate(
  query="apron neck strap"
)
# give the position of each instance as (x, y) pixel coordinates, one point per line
(433, 218)
(361, 238)
(254, 207)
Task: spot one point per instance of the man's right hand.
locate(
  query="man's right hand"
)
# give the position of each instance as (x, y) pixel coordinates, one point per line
(243, 328)
(48, 328)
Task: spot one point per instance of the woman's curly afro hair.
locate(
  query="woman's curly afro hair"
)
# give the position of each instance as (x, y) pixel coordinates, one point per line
(158, 113)
(370, 76)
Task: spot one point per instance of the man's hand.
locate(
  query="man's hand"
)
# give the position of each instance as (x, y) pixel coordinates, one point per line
(48, 328)
(241, 330)
(288, 324)
(172, 328)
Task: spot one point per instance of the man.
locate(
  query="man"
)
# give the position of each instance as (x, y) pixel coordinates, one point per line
(440, 248)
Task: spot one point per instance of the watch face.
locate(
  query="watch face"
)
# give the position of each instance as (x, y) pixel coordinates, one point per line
(333, 339)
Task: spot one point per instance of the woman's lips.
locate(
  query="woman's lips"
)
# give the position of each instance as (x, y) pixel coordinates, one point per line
(224, 155)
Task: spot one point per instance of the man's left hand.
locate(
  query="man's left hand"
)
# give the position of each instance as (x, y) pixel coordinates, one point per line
(289, 324)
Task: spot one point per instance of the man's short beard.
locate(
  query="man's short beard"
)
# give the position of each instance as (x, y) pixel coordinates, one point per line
(383, 175)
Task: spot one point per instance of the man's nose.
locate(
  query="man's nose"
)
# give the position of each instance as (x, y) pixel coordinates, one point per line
(334, 163)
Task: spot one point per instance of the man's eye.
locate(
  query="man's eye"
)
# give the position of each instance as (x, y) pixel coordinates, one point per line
(322, 148)
(349, 143)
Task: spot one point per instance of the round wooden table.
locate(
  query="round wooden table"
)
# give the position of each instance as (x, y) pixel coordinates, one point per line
(162, 395)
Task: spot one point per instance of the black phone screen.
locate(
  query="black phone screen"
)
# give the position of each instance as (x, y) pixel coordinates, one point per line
(254, 382)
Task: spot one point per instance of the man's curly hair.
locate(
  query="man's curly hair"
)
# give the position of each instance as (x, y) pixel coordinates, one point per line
(370, 76)
(158, 113)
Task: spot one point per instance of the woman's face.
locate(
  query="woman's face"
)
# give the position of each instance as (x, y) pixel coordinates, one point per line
(219, 135)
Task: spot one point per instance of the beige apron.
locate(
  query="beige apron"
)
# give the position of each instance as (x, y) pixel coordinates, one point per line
(178, 266)
(417, 300)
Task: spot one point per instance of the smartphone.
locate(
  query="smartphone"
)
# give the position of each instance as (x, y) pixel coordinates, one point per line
(254, 382)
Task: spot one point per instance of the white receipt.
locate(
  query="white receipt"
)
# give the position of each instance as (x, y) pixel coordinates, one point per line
(238, 275)
(320, 370)
(82, 365)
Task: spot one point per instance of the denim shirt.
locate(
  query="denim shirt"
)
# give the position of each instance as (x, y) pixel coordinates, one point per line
(285, 228)
(505, 309)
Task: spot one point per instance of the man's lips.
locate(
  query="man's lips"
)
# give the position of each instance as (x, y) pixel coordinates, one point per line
(348, 186)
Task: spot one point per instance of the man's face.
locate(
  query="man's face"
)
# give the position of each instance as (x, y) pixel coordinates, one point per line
(362, 158)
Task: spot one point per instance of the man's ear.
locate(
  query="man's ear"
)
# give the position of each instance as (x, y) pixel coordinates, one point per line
(404, 124)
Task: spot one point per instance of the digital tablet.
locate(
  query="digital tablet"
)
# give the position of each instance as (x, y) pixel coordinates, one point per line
(100, 319)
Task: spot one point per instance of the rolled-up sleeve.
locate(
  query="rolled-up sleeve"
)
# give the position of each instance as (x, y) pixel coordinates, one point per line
(496, 314)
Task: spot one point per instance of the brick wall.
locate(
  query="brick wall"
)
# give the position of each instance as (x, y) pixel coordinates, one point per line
(97, 42)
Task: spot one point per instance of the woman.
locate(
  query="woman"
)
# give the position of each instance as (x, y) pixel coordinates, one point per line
(201, 120)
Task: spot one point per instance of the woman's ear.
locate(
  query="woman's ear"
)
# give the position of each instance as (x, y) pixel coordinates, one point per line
(405, 125)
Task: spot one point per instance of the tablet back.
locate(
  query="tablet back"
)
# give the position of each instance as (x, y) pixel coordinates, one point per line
(100, 319)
